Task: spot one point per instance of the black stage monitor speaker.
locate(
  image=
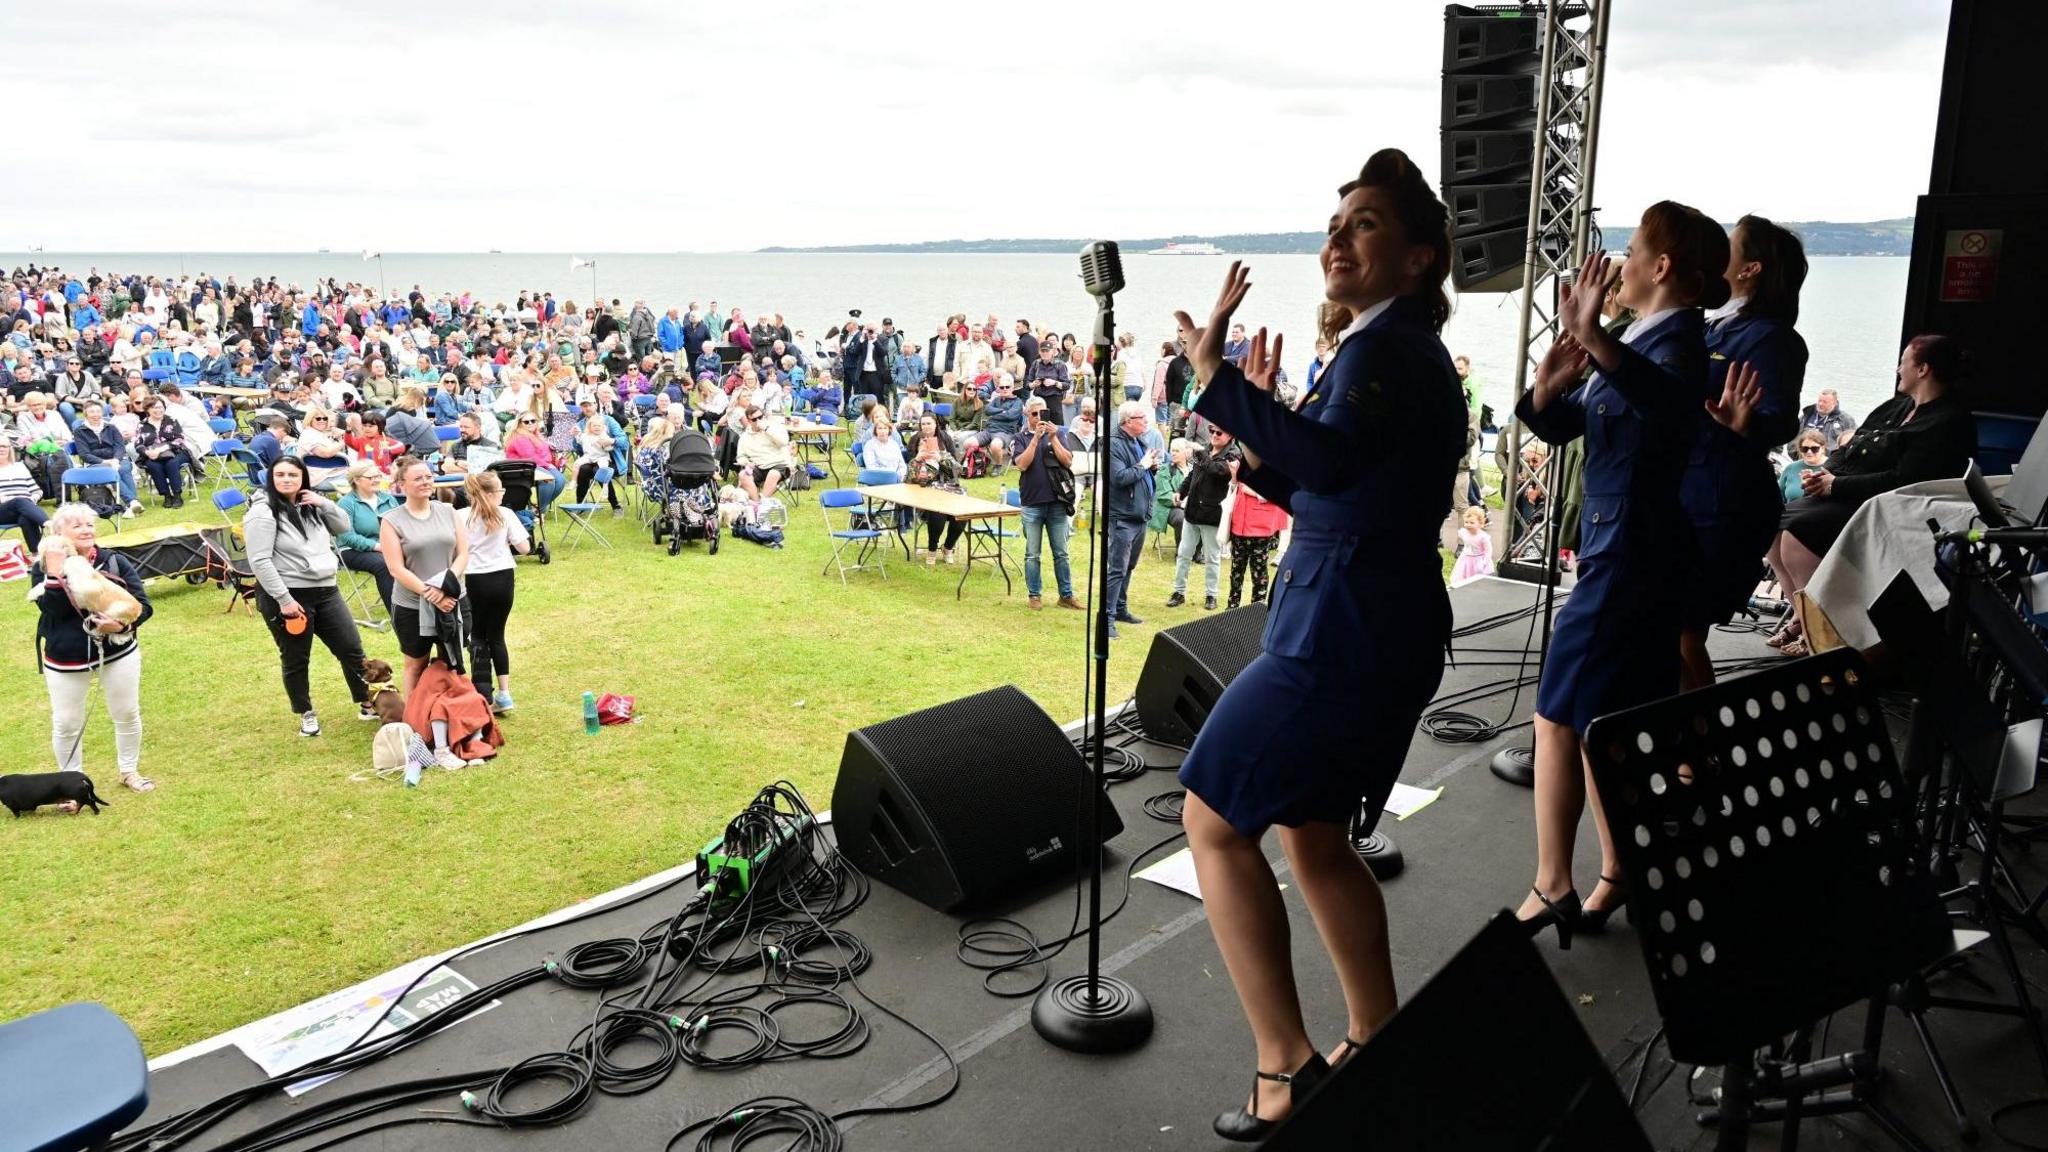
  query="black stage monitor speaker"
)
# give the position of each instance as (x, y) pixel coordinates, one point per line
(1189, 667)
(1497, 1052)
(965, 803)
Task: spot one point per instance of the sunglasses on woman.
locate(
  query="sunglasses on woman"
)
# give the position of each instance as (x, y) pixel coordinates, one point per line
(1806, 448)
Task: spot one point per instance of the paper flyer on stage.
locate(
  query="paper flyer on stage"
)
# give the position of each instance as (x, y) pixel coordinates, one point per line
(326, 1026)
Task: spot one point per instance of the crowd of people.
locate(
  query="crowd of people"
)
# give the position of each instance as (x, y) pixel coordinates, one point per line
(338, 407)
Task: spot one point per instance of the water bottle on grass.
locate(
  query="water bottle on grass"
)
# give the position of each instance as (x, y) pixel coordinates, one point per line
(590, 723)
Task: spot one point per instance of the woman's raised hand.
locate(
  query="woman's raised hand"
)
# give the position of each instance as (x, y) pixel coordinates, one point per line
(1205, 345)
(1259, 368)
(1579, 307)
(1559, 371)
(1740, 395)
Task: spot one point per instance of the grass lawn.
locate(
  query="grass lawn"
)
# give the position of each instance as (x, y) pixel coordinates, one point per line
(258, 876)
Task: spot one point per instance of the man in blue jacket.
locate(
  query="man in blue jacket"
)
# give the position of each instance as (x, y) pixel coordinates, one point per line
(1132, 468)
(670, 332)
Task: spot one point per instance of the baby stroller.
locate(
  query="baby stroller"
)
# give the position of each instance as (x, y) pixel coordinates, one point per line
(520, 483)
(691, 510)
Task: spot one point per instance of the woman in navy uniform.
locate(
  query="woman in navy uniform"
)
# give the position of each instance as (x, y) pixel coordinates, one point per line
(1612, 644)
(1358, 621)
(1756, 364)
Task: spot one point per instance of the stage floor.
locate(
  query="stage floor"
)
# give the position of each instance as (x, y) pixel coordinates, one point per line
(1468, 855)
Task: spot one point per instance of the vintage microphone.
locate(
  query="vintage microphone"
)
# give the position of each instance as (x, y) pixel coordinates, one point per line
(1097, 1013)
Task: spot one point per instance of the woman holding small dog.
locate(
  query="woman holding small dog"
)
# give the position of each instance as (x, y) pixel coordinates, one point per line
(76, 644)
(427, 549)
(290, 536)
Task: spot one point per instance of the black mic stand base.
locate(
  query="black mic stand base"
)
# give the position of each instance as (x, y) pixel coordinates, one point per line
(1516, 765)
(1111, 1016)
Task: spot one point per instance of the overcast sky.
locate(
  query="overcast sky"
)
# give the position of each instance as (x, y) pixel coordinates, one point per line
(662, 125)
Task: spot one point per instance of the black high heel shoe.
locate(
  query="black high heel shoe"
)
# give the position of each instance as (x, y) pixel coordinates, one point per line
(1593, 921)
(1245, 1125)
(1563, 912)
(1345, 1049)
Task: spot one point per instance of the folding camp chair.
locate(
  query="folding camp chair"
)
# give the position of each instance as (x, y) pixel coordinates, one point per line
(579, 515)
(218, 459)
(99, 476)
(359, 592)
(871, 552)
(70, 1077)
(898, 519)
(227, 559)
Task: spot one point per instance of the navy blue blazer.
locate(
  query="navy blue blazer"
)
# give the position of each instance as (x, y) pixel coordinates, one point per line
(1639, 422)
(1365, 466)
(1728, 479)
(1386, 417)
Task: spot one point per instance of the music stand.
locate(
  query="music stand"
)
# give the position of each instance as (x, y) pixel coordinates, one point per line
(1489, 1054)
(1765, 825)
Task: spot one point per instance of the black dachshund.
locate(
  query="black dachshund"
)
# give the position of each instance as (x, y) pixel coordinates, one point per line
(26, 792)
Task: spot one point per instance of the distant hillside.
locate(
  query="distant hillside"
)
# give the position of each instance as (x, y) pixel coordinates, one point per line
(1822, 237)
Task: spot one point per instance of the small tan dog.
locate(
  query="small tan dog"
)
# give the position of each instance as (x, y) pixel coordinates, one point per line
(89, 588)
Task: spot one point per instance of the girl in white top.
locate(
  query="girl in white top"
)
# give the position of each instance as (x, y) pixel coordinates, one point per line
(494, 538)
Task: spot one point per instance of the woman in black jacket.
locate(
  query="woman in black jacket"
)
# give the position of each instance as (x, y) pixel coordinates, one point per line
(1201, 499)
(160, 446)
(1921, 433)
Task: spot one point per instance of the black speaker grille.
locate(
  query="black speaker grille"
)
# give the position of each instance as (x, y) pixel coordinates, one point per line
(993, 780)
(1189, 667)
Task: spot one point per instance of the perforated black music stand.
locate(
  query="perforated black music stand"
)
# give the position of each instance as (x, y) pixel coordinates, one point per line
(1765, 828)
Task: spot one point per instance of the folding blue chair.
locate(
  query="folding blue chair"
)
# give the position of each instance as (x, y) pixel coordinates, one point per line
(324, 469)
(220, 457)
(90, 477)
(579, 515)
(188, 365)
(868, 555)
(904, 518)
(227, 556)
(161, 364)
(221, 425)
(70, 1078)
(447, 432)
(943, 411)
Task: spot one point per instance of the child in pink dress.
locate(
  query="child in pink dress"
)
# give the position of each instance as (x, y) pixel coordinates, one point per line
(1475, 550)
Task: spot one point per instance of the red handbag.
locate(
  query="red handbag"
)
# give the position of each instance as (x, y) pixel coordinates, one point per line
(614, 709)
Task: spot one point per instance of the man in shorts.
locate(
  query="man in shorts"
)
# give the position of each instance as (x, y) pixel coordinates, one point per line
(764, 459)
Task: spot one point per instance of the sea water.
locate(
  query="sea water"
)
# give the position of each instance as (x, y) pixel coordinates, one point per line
(1849, 311)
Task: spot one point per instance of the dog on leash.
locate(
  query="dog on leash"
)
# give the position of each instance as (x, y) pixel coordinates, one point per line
(89, 588)
(28, 791)
(384, 697)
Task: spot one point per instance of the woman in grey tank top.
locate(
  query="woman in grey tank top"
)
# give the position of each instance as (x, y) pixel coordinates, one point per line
(422, 541)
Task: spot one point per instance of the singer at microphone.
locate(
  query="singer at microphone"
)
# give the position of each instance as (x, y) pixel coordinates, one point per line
(1358, 623)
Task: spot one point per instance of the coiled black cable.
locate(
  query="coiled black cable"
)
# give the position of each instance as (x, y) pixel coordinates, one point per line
(601, 963)
(809, 1129)
(572, 1071)
(1166, 806)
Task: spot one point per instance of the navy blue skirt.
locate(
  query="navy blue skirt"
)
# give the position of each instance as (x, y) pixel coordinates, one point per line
(1614, 645)
(1323, 718)
(1728, 561)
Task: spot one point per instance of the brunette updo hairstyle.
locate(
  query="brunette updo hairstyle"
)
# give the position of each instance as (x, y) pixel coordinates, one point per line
(1696, 246)
(1942, 356)
(1424, 220)
(1775, 295)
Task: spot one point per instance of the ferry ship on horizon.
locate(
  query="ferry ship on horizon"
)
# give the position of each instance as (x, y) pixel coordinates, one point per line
(1198, 248)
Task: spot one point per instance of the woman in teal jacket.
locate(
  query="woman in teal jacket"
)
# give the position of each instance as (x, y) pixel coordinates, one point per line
(366, 504)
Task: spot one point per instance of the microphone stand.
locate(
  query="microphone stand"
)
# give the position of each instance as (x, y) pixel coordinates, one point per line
(1096, 1013)
(1517, 764)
